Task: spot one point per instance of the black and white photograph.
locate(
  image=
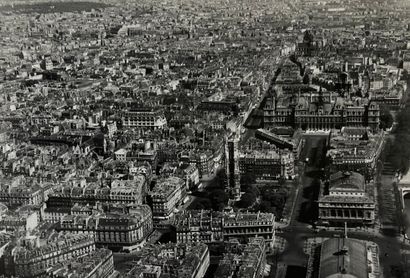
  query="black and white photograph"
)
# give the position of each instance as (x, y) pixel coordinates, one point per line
(204, 139)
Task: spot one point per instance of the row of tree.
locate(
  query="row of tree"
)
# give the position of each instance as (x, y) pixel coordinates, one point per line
(267, 198)
(214, 196)
(386, 118)
(400, 150)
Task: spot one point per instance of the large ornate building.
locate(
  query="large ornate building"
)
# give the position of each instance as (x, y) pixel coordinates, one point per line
(34, 257)
(320, 110)
(268, 156)
(115, 230)
(247, 225)
(345, 257)
(309, 46)
(198, 226)
(347, 200)
(290, 81)
(296, 103)
(22, 193)
(146, 118)
(165, 197)
(355, 149)
(265, 161)
(120, 191)
(207, 226)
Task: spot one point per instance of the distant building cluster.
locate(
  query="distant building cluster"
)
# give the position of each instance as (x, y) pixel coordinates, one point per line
(243, 260)
(174, 138)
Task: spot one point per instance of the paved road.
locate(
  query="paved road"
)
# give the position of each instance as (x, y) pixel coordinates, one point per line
(305, 211)
(389, 247)
(300, 229)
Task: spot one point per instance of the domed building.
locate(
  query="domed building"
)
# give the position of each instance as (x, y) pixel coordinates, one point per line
(346, 200)
(308, 47)
(343, 258)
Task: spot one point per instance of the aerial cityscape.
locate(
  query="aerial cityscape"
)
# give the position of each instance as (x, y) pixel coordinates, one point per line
(201, 139)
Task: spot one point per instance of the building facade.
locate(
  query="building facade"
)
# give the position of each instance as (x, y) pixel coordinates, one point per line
(96, 264)
(120, 192)
(245, 225)
(320, 110)
(33, 262)
(208, 226)
(145, 118)
(172, 260)
(165, 197)
(347, 200)
(117, 231)
(267, 164)
(17, 221)
(344, 257)
(15, 196)
(243, 260)
(198, 226)
(355, 149)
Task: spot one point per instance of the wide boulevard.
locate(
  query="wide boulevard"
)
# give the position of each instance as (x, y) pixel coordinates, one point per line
(305, 212)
